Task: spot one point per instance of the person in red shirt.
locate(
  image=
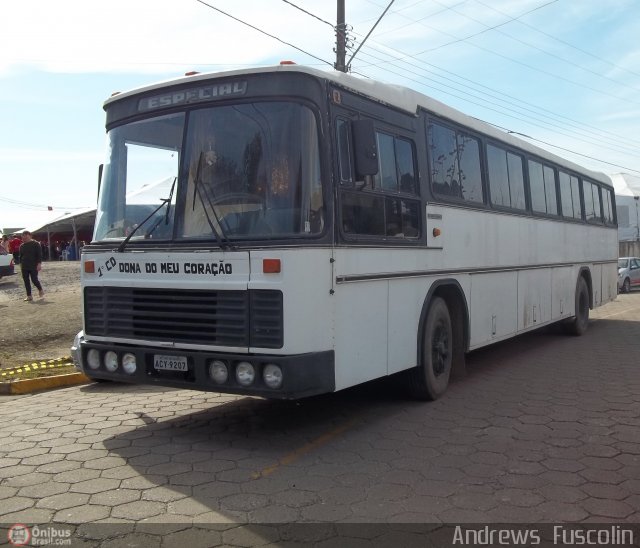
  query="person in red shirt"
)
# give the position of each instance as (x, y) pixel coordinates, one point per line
(14, 247)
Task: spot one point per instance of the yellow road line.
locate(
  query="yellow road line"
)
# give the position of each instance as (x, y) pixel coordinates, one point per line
(58, 362)
(301, 451)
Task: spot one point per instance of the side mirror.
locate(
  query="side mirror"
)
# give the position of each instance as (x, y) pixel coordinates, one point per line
(365, 148)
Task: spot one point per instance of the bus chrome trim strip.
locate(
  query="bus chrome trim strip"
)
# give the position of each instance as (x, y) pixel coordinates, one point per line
(350, 278)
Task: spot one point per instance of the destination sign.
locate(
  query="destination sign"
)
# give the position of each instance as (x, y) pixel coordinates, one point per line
(194, 95)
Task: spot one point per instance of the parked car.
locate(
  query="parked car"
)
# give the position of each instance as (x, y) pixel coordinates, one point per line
(6, 265)
(628, 273)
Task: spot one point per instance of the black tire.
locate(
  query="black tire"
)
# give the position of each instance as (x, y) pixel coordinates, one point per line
(430, 379)
(626, 286)
(578, 325)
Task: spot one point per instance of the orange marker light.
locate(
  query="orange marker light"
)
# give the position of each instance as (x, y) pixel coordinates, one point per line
(436, 232)
(271, 266)
(90, 267)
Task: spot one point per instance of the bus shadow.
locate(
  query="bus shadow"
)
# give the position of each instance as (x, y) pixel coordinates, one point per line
(214, 458)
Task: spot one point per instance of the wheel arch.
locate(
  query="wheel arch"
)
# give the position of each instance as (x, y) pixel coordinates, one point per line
(450, 290)
(586, 274)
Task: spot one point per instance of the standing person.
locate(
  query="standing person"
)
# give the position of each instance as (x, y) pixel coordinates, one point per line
(4, 245)
(30, 263)
(14, 247)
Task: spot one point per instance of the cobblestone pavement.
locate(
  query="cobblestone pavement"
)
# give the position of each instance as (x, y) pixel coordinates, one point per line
(543, 428)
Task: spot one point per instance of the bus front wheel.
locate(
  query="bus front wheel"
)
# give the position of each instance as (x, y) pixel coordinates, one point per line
(578, 325)
(430, 379)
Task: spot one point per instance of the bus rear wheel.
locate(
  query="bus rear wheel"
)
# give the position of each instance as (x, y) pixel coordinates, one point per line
(578, 325)
(430, 379)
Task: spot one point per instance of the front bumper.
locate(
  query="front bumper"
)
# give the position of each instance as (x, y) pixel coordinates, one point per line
(303, 374)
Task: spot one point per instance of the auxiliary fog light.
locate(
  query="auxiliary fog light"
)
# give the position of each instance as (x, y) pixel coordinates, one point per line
(111, 361)
(129, 363)
(93, 359)
(272, 375)
(218, 371)
(245, 373)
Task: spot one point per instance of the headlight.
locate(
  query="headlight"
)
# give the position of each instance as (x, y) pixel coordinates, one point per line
(129, 363)
(93, 359)
(218, 371)
(245, 373)
(111, 361)
(272, 375)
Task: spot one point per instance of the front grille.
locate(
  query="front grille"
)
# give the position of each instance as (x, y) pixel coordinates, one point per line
(224, 318)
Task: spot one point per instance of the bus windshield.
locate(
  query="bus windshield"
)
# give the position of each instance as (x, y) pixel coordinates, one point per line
(241, 172)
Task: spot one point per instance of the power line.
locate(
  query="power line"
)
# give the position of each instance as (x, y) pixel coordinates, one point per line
(28, 205)
(566, 149)
(264, 32)
(473, 99)
(495, 94)
(553, 55)
(530, 67)
(309, 13)
(563, 42)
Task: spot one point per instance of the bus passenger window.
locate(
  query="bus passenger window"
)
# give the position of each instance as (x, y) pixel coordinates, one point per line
(455, 164)
(343, 138)
(506, 178)
(542, 182)
(606, 206)
(565, 194)
(591, 202)
(444, 165)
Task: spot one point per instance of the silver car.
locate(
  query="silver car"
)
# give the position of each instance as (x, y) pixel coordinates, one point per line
(628, 273)
(6, 265)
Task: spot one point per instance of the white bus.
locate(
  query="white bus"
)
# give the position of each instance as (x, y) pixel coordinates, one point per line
(285, 232)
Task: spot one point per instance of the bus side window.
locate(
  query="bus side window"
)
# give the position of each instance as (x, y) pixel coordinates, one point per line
(566, 201)
(593, 212)
(343, 139)
(607, 207)
(575, 196)
(455, 163)
(542, 182)
(506, 178)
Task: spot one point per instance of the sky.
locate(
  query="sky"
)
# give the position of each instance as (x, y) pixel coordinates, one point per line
(563, 73)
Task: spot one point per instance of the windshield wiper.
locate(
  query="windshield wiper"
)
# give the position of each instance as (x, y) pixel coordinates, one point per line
(221, 237)
(166, 216)
(164, 202)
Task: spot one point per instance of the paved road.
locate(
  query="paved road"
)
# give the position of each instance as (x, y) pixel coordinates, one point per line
(543, 428)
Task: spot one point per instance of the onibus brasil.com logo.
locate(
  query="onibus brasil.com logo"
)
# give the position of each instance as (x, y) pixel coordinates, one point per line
(37, 535)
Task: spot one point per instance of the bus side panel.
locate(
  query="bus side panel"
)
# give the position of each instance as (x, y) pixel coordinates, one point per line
(405, 304)
(609, 282)
(596, 281)
(534, 298)
(563, 288)
(361, 332)
(493, 308)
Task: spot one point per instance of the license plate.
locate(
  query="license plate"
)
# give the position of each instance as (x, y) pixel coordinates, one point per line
(170, 363)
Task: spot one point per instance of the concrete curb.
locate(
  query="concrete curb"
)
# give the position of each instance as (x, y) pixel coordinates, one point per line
(27, 386)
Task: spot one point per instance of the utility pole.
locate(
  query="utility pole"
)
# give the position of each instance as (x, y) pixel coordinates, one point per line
(341, 39)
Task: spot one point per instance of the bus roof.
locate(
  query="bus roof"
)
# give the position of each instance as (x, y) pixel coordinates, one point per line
(399, 97)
